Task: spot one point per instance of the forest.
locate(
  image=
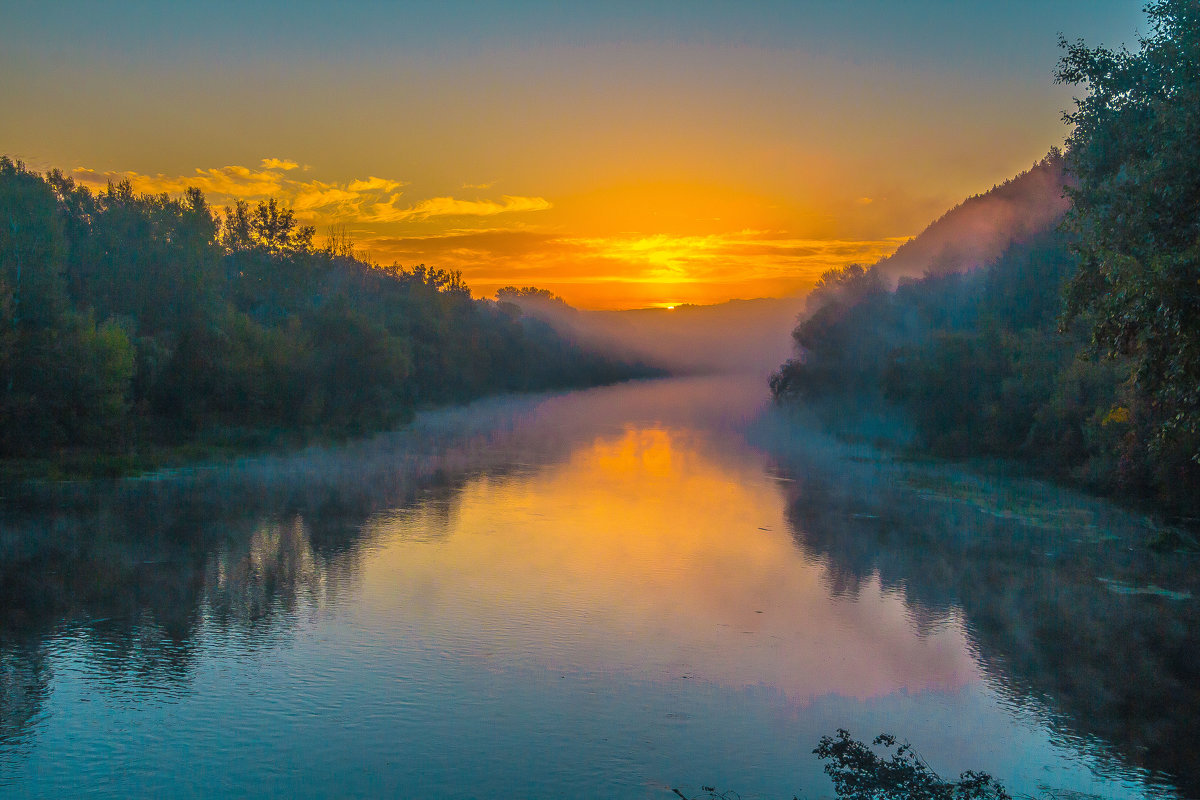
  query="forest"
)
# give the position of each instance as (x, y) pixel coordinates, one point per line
(1076, 350)
(133, 323)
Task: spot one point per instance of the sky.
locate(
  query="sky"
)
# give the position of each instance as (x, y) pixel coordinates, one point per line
(619, 154)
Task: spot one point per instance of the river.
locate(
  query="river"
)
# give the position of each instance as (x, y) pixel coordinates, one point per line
(608, 593)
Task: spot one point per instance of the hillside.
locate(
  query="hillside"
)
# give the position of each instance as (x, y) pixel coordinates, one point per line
(968, 360)
(979, 229)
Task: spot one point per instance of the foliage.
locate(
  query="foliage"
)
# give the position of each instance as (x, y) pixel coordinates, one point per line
(1135, 152)
(980, 372)
(129, 320)
(842, 294)
(859, 773)
(513, 294)
(710, 793)
(975, 363)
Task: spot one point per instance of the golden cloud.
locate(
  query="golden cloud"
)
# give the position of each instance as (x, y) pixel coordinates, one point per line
(374, 184)
(370, 200)
(239, 183)
(751, 258)
(312, 200)
(326, 197)
(279, 163)
(750, 253)
(453, 207)
(220, 183)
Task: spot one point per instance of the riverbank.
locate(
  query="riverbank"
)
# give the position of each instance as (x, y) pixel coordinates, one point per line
(886, 429)
(225, 445)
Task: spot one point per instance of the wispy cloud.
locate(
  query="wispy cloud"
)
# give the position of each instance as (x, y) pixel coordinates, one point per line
(370, 200)
(232, 182)
(453, 207)
(763, 258)
(284, 164)
(748, 253)
(374, 184)
(313, 200)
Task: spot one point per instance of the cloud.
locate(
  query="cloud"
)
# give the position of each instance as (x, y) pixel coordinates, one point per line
(219, 183)
(284, 164)
(374, 184)
(749, 253)
(764, 261)
(373, 200)
(313, 200)
(327, 198)
(453, 207)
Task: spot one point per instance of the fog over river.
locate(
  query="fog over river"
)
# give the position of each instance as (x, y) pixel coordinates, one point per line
(608, 593)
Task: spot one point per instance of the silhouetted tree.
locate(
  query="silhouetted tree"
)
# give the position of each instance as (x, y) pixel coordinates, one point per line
(859, 773)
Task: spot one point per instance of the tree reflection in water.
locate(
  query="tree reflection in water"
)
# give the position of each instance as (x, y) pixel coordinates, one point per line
(133, 570)
(139, 576)
(1061, 594)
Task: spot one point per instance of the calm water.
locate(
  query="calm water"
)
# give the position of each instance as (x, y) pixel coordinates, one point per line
(601, 594)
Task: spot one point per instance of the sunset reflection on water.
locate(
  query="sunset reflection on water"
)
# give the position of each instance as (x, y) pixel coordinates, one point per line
(617, 592)
(651, 553)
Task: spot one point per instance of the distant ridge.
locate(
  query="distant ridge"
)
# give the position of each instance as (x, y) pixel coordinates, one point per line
(979, 229)
(744, 335)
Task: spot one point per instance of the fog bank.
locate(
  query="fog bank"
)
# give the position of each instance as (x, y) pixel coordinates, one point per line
(739, 336)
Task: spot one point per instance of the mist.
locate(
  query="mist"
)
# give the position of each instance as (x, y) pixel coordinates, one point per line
(978, 230)
(748, 337)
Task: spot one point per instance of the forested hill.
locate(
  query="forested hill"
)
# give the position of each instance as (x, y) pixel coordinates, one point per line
(1076, 349)
(130, 320)
(971, 364)
(979, 229)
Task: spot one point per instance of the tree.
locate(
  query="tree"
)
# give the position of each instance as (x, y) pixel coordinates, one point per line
(512, 294)
(63, 379)
(859, 773)
(1135, 152)
(266, 227)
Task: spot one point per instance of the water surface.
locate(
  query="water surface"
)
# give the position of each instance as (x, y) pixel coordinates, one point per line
(607, 593)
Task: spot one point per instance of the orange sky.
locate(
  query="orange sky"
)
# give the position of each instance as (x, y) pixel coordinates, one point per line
(638, 244)
(620, 156)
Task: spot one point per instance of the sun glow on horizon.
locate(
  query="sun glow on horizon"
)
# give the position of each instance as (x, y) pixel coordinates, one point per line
(701, 153)
(624, 247)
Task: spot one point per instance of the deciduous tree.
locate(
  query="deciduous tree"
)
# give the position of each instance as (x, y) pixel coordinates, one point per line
(1135, 153)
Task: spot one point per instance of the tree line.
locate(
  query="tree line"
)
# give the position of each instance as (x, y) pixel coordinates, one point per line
(131, 320)
(1078, 350)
